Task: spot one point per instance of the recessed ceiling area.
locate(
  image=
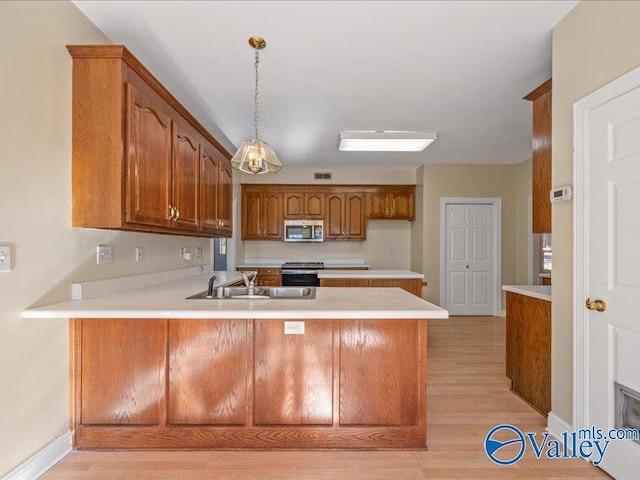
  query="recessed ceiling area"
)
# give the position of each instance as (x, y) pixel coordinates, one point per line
(459, 68)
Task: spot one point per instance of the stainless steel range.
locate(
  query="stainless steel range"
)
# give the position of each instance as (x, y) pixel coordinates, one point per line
(301, 274)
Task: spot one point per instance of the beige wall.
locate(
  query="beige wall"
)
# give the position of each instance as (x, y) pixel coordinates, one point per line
(35, 220)
(471, 181)
(594, 44)
(388, 243)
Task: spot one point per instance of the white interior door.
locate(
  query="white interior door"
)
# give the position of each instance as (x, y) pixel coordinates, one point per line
(613, 156)
(469, 264)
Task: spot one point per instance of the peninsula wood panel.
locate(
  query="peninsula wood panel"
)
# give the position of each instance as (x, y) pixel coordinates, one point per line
(293, 374)
(122, 372)
(528, 349)
(202, 389)
(395, 350)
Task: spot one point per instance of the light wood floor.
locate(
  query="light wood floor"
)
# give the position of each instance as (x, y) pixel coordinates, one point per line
(468, 394)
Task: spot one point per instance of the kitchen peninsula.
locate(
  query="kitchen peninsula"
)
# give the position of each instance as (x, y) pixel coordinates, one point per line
(151, 369)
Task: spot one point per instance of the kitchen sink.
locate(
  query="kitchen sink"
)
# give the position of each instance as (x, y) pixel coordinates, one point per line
(245, 293)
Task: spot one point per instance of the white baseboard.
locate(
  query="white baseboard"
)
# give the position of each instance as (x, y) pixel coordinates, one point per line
(555, 426)
(502, 313)
(40, 462)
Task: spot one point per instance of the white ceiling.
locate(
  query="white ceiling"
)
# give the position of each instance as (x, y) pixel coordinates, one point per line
(459, 68)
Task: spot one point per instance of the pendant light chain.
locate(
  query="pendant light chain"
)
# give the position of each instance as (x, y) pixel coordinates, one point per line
(255, 98)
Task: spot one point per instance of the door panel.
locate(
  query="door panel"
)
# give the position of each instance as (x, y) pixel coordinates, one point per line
(613, 153)
(148, 159)
(272, 221)
(209, 171)
(314, 205)
(225, 196)
(251, 216)
(293, 205)
(355, 216)
(186, 163)
(335, 216)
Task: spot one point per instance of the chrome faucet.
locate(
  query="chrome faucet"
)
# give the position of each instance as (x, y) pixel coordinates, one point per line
(250, 281)
(210, 289)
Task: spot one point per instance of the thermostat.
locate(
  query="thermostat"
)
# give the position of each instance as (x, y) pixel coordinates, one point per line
(561, 194)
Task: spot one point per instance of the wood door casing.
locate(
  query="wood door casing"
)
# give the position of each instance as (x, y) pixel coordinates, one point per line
(202, 390)
(392, 349)
(293, 374)
(149, 159)
(116, 355)
(185, 178)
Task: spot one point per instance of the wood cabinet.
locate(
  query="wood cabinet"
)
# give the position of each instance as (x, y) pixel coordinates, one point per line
(344, 208)
(345, 217)
(411, 285)
(138, 153)
(391, 203)
(215, 192)
(528, 349)
(304, 205)
(241, 383)
(267, 277)
(541, 157)
(262, 216)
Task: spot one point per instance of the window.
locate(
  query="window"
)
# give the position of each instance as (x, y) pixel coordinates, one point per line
(545, 253)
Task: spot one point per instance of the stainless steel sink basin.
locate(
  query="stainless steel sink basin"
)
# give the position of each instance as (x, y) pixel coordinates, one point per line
(224, 293)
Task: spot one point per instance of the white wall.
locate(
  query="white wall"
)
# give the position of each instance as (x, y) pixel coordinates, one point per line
(35, 196)
(594, 44)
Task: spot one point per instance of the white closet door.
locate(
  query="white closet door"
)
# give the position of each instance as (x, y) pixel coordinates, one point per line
(469, 259)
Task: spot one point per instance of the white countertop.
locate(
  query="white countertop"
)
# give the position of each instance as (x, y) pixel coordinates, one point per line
(544, 275)
(370, 274)
(543, 292)
(168, 300)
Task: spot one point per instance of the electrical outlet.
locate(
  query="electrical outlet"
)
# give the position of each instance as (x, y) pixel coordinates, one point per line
(104, 254)
(138, 254)
(5, 259)
(294, 328)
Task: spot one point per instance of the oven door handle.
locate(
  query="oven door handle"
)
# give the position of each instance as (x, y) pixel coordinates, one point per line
(295, 272)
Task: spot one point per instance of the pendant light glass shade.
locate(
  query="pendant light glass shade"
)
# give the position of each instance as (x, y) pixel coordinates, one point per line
(256, 157)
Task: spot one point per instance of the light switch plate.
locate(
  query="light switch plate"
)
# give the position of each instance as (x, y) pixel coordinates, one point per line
(293, 328)
(5, 259)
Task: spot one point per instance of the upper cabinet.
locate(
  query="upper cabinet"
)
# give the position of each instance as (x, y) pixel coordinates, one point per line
(541, 163)
(141, 162)
(344, 208)
(392, 203)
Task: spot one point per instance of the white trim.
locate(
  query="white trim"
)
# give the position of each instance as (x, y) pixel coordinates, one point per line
(39, 463)
(581, 110)
(497, 244)
(556, 425)
(502, 313)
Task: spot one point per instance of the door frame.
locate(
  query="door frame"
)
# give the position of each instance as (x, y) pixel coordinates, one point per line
(581, 111)
(497, 244)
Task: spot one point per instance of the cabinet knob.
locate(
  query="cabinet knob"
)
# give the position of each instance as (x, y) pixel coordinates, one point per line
(177, 214)
(171, 212)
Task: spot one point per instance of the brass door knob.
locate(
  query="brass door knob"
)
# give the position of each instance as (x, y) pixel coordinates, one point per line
(597, 305)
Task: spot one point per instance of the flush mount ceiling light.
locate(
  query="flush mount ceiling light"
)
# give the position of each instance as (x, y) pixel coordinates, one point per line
(255, 156)
(386, 141)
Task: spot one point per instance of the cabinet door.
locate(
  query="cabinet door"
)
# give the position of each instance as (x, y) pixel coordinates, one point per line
(293, 205)
(148, 159)
(293, 374)
(334, 228)
(272, 221)
(123, 372)
(401, 206)
(314, 205)
(377, 206)
(355, 224)
(209, 189)
(251, 216)
(513, 339)
(186, 169)
(202, 390)
(225, 197)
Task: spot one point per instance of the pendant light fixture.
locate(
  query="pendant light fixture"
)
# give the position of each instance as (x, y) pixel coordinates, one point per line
(255, 156)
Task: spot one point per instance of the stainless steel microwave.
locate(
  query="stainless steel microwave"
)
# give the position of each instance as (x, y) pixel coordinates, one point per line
(303, 231)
